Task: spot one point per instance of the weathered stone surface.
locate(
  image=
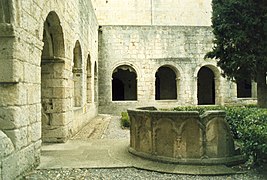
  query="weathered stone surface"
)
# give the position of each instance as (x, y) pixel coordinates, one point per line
(27, 158)
(182, 137)
(182, 49)
(13, 95)
(10, 166)
(55, 133)
(139, 12)
(12, 117)
(34, 132)
(18, 137)
(20, 161)
(219, 140)
(6, 146)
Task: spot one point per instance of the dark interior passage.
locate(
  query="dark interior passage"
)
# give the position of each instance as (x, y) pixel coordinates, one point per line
(124, 84)
(205, 86)
(166, 87)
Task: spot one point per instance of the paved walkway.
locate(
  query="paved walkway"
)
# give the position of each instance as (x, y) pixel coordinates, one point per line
(92, 147)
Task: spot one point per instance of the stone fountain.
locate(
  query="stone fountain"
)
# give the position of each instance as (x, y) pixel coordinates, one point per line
(182, 137)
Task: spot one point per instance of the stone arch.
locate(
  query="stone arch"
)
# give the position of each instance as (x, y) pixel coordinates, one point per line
(166, 85)
(208, 85)
(190, 141)
(205, 86)
(77, 55)
(53, 37)
(5, 11)
(52, 68)
(124, 83)
(164, 137)
(89, 78)
(219, 140)
(95, 82)
(125, 63)
(77, 75)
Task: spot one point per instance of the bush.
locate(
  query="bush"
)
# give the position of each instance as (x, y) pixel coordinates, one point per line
(125, 121)
(200, 109)
(235, 117)
(253, 135)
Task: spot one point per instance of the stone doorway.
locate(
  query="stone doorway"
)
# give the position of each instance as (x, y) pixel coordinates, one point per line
(124, 84)
(205, 86)
(166, 87)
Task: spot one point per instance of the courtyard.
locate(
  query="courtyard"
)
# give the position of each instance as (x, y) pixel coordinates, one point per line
(99, 151)
(68, 68)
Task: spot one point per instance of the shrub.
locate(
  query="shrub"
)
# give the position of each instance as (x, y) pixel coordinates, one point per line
(235, 117)
(125, 121)
(200, 109)
(253, 135)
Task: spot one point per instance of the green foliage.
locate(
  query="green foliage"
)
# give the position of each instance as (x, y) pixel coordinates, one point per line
(235, 117)
(200, 109)
(248, 125)
(125, 120)
(240, 30)
(253, 135)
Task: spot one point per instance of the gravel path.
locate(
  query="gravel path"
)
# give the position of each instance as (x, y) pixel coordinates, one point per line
(125, 173)
(111, 129)
(95, 128)
(114, 130)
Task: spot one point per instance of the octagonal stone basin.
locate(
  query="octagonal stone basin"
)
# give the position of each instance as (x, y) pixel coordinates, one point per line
(182, 137)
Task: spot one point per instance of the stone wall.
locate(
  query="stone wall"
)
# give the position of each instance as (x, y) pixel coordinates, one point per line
(32, 108)
(153, 12)
(147, 48)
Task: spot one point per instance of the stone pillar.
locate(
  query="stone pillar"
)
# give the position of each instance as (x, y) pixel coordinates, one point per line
(20, 108)
(178, 90)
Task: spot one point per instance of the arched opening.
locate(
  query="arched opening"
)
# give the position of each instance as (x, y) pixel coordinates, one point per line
(95, 83)
(77, 75)
(244, 88)
(166, 86)
(5, 12)
(53, 37)
(117, 90)
(124, 84)
(89, 79)
(205, 86)
(52, 66)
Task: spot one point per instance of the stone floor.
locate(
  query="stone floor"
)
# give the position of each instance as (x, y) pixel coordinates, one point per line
(99, 151)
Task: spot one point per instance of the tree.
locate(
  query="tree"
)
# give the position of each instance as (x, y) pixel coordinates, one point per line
(240, 41)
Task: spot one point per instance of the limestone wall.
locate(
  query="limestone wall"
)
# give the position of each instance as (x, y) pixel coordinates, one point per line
(153, 12)
(145, 49)
(37, 91)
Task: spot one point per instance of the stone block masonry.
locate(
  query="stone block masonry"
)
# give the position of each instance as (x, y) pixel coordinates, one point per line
(153, 12)
(54, 55)
(37, 41)
(145, 49)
